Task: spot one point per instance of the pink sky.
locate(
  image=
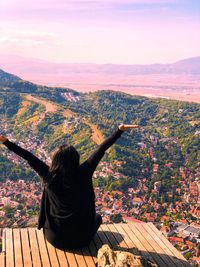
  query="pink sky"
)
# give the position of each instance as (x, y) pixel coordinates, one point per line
(101, 31)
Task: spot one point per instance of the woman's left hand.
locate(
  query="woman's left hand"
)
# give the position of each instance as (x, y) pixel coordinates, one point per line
(3, 138)
(125, 127)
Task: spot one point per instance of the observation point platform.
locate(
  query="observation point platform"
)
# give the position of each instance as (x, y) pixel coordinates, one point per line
(26, 247)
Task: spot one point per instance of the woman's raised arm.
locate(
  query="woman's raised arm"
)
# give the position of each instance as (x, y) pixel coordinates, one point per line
(39, 166)
(97, 155)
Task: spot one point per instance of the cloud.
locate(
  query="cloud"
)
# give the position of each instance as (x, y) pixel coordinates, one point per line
(20, 41)
(26, 33)
(13, 36)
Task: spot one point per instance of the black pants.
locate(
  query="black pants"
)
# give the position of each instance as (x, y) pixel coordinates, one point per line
(72, 240)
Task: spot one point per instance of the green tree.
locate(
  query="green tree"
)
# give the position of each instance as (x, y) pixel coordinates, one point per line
(116, 218)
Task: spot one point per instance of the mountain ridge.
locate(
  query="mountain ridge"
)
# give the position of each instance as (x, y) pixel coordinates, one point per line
(184, 66)
(6, 77)
(157, 80)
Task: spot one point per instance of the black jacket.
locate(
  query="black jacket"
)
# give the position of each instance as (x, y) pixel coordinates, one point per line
(67, 207)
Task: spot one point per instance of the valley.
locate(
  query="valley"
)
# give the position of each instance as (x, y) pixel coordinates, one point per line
(151, 174)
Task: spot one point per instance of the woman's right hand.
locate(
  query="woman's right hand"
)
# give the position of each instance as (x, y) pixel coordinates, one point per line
(125, 127)
(3, 138)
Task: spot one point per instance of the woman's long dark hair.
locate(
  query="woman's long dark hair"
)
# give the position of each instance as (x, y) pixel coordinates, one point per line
(64, 166)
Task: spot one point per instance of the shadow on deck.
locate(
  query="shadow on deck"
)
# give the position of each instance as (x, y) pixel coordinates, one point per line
(26, 247)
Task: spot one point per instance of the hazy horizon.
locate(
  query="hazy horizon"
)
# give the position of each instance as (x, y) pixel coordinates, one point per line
(179, 81)
(101, 32)
(10, 57)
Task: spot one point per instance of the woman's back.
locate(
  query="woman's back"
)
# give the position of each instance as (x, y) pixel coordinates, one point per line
(69, 210)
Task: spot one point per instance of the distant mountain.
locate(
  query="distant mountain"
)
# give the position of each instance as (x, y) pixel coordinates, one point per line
(187, 66)
(6, 78)
(179, 80)
(27, 66)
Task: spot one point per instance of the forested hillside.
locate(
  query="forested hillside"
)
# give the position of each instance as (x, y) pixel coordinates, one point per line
(169, 134)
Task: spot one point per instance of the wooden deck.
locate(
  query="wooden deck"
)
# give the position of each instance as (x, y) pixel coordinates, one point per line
(26, 247)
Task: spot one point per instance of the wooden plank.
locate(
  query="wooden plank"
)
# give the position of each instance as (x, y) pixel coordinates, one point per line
(97, 242)
(149, 247)
(79, 257)
(34, 248)
(136, 240)
(4, 240)
(43, 249)
(118, 236)
(110, 236)
(52, 255)
(2, 254)
(2, 259)
(26, 252)
(90, 261)
(127, 239)
(126, 242)
(154, 243)
(170, 246)
(17, 248)
(103, 238)
(71, 258)
(9, 248)
(61, 257)
(167, 251)
(93, 249)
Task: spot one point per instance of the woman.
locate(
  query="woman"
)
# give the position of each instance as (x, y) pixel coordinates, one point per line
(67, 211)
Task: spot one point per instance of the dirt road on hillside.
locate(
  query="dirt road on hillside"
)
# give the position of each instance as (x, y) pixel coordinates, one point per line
(97, 135)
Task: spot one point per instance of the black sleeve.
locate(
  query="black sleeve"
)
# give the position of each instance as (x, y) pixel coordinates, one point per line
(39, 166)
(97, 155)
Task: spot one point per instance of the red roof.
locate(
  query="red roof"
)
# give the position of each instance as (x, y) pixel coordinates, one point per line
(176, 239)
(196, 259)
